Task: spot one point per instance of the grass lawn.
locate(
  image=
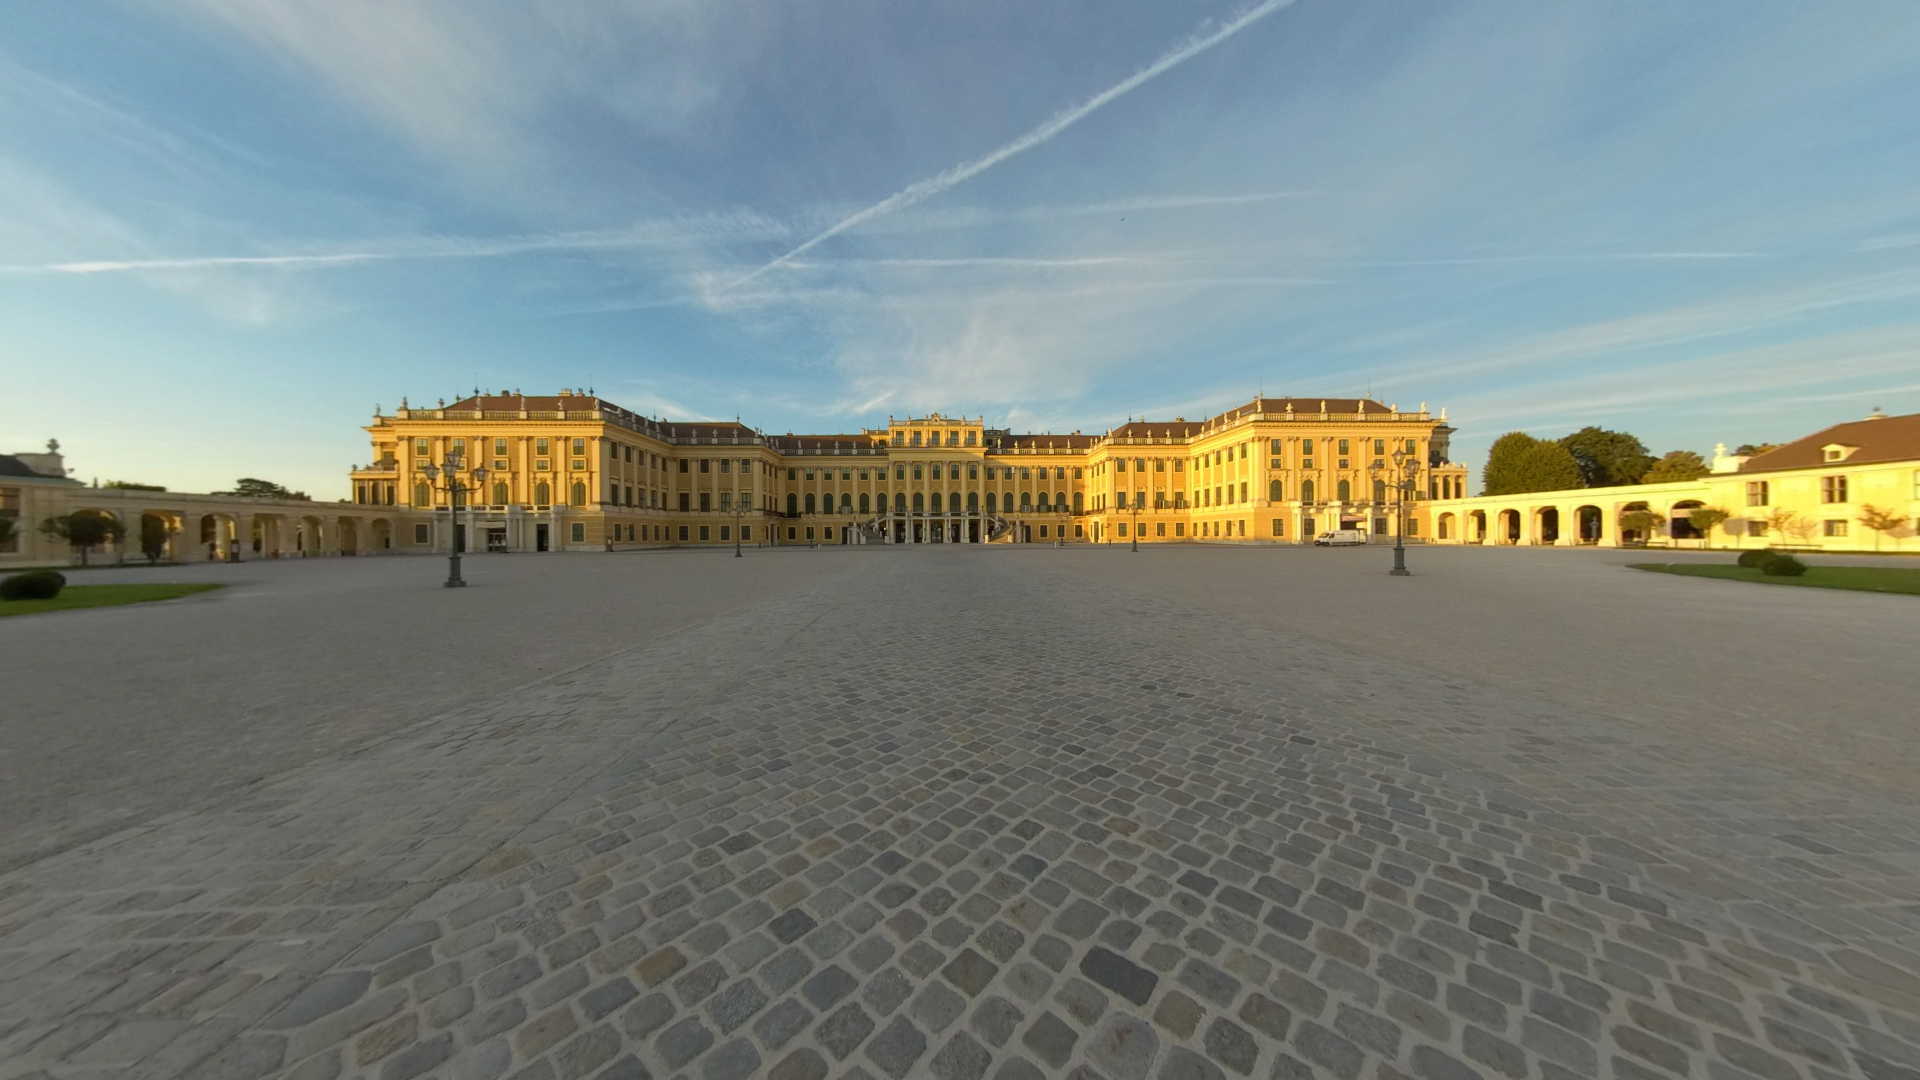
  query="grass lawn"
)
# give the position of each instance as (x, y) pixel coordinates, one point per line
(74, 597)
(1886, 579)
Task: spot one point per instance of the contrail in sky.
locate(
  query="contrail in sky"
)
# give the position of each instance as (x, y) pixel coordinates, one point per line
(921, 190)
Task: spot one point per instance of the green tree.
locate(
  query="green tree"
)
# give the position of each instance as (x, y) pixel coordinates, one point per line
(1641, 521)
(1518, 462)
(153, 538)
(1880, 521)
(248, 487)
(1704, 518)
(83, 530)
(128, 485)
(1676, 465)
(1747, 449)
(1607, 458)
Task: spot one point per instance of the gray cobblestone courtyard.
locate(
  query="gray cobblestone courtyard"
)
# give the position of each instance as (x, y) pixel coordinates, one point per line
(1191, 812)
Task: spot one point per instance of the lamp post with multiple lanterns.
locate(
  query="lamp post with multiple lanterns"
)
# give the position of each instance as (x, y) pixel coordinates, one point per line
(1402, 471)
(454, 488)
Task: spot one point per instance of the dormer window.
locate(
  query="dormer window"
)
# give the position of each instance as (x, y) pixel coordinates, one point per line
(1837, 452)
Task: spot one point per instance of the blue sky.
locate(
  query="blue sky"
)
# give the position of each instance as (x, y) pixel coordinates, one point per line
(229, 228)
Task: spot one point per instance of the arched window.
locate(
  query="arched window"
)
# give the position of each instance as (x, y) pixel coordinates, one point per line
(900, 501)
(500, 495)
(1079, 501)
(1026, 500)
(1379, 491)
(992, 503)
(579, 493)
(846, 503)
(1346, 491)
(919, 502)
(1043, 502)
(865, 501)
(1060, 501)
(810, 502)
(973, 500)
(422, 494)
(934, 502)
(793, 504)
(1274, 491)
(1306, 491)
(542, 493)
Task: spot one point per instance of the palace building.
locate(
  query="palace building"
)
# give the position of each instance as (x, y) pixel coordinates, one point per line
(573, 471)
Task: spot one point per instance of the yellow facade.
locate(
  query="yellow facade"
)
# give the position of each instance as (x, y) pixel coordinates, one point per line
(572, 471)
(1818, 493)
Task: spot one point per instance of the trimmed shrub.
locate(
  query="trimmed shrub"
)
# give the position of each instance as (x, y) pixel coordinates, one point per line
(1783, 566)
(33, 585)
(1753, 560)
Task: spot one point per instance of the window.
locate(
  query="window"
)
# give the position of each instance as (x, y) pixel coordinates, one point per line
(726, 532)
(1139, 464)
(1836, 526)
(1833, 489)
(810, 502)
(1243, 457)
(1379, 447)
(864, 502)
(1346, 491)
(579, 493)
(460, 447)
(1119, 465)
(1123, 528)
(683, 532)
(685, 503)
(810, 528)
(1343, 447)
(726, 500)
(1380, 526)
(423, 448)
(422, 495)
(1413, 527)
(726, 466)
(542, 465)
(500, 496)
(423, 534)
(1243, 491)
(746, 532)
(706, 464)
(1279, 527)
(1179, 528)
(1306, 491)
(542, 446)
(1275, 492)
(578, 533)
(683, 468)
(1756, 493)
(791, 533)
(579, 446)
(542, 493)
(1159, 528)
(1043, 532)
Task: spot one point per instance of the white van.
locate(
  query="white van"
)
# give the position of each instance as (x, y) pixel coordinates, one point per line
(1340, 537)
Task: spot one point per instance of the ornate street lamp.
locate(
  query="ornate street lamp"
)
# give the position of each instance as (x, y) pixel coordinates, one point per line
(455, 488)
(1401, 470)
(1136, 521)
(739, 511)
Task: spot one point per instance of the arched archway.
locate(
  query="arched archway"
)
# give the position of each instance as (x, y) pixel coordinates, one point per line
(1638, 522)
(1588, 524)
(347, 532)
(1679, 520)
(1546, 525)
(1443, 528)
(1476, 527)
(381, 530)
(1508, 527)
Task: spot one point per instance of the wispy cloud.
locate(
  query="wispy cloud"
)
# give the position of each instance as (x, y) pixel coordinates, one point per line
(921, 190)
(1595, 256)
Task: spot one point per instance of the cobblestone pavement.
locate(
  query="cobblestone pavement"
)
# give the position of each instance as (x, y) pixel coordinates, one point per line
(965, 813)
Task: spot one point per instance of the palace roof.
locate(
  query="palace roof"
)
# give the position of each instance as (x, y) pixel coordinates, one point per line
(1873, 440)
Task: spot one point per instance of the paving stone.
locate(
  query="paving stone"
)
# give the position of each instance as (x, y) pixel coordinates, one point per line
(969, 971)
(735, 1060)
(995, 1019)
(682, 1042)
(962, 1058)
(936, 1007)
(843, 1031)
(802, 1064)
(897, 1047)
(1181, 1063)
(1231, 1045)
(1118, 974)
(1050, 1039)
